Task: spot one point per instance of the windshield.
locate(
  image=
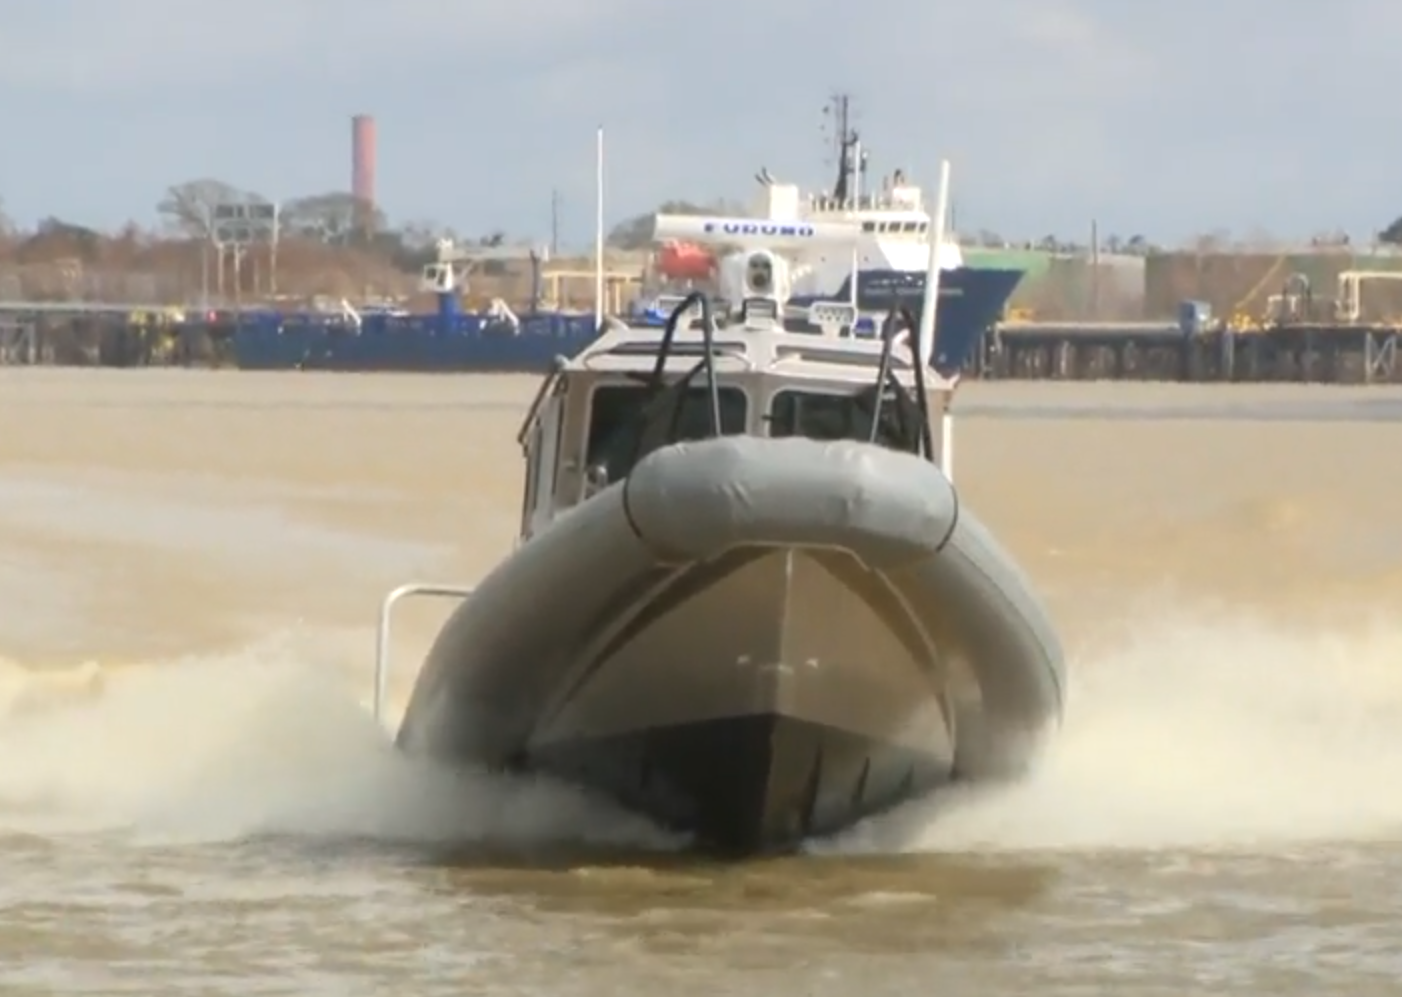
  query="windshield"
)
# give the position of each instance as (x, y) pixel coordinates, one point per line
(829, 416)
(617, 431)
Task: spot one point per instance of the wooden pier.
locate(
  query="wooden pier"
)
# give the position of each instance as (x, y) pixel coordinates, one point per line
(80, 334)
(1302, 353)
(73, 334)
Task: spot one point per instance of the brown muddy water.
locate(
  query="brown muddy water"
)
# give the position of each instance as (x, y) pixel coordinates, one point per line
(195, 800)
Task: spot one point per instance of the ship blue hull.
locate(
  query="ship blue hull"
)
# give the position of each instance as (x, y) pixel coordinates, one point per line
(970, 301)
(410, 344)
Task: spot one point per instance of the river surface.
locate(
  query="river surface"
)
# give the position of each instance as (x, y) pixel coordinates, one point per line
(194, 798)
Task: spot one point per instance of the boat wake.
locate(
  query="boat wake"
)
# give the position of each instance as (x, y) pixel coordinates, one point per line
(1196, 731)
(259, 743)
(1192, 732)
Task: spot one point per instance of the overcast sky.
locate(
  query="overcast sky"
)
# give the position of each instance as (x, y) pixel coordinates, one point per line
(1166, 118)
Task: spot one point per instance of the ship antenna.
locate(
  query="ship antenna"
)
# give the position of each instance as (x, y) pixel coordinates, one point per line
(846, 141)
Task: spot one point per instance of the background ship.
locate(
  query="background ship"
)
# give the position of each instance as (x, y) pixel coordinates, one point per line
(889, 266)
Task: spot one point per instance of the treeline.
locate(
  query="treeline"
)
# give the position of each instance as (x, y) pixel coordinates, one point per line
(213, 212)
(210, 211)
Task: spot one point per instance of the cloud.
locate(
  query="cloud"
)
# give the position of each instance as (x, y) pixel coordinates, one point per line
(134, 46)
(1165, 118)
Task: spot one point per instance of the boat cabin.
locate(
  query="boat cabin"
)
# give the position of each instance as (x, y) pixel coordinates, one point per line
(633, 391)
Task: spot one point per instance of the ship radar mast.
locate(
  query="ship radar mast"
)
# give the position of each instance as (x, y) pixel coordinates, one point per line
(851, 159)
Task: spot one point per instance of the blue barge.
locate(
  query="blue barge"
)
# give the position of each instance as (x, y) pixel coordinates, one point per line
(971, 300)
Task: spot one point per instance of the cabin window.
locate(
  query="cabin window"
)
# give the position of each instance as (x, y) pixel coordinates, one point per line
(912, 226)
(868, 226)
(528, 499)
(617, 429)
(542, 451)
(828, 416)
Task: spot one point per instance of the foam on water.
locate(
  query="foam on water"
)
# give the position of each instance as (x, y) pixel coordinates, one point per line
(1187, 732)
(262, 742)
(1197, 731)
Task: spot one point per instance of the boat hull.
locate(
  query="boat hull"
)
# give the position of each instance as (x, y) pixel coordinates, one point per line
(759, 699)
(448, 343)
(748, 784)
(752, 640)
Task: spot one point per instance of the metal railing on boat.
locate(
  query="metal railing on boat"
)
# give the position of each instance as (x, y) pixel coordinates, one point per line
(382, 642)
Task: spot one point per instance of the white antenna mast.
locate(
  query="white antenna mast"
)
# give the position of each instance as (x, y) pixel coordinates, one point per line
(857, 206)
(932, 274)
(599, 229)
(927, 318)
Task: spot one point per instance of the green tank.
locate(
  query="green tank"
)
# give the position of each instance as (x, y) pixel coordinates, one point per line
(1031, 262)
(1034, 265)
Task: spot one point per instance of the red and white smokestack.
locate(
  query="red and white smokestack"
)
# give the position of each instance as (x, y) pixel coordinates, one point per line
(363, 159)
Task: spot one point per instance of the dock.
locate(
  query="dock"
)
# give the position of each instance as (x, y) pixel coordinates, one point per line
(99, 334)
(1317, 353)
(94, 334)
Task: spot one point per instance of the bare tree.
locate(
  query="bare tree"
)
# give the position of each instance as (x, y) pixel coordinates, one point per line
(335, 217)
(188, 208)
(421, 234)
(1216, 241)
(636, 232)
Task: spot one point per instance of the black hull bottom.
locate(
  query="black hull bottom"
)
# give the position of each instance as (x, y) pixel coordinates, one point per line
(748, 784)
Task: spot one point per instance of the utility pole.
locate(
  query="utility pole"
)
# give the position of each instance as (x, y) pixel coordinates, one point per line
(554, 224)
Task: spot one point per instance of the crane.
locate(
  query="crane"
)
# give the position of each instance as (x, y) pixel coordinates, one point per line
(447, 275)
